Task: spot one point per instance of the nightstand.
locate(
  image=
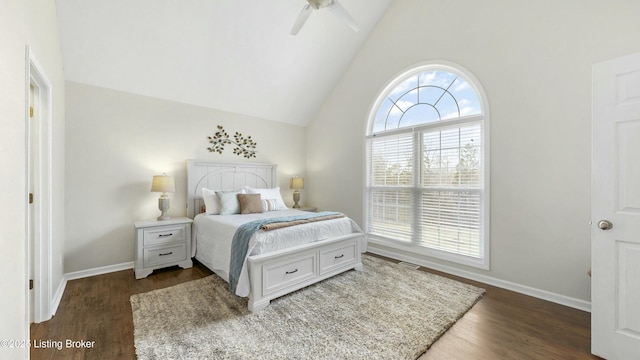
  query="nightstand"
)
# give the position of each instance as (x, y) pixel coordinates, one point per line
(161, 244)
(308, 208)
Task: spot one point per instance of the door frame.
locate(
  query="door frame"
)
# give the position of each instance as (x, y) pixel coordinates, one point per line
(43, 211)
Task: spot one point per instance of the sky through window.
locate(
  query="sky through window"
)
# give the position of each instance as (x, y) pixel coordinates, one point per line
(426, 97)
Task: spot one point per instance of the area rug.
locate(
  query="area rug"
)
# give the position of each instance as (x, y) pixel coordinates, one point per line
(385, 311)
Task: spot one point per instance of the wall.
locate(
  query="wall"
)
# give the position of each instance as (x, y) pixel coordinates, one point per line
(534, 61)
(117, 141)
(24, 23)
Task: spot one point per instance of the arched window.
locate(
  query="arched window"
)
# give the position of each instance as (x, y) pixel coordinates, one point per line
(427, 165)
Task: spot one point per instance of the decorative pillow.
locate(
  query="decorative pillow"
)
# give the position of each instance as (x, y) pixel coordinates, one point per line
(229, 203)
(269, 194)
(211, 202)
(250, 203)
(269, 204)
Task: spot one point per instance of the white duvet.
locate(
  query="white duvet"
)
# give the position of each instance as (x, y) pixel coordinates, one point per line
(212, 235)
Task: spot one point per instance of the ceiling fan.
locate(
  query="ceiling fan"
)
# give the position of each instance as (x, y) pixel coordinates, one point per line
(332, 5)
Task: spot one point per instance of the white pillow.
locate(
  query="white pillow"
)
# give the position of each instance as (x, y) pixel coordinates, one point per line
(211, 202)
(229, 203)
(269, 194)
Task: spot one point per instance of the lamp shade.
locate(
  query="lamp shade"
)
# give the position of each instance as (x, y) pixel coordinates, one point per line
(163, 183)
(296, 183)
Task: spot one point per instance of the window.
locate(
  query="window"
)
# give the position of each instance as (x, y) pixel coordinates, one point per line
(427, 166)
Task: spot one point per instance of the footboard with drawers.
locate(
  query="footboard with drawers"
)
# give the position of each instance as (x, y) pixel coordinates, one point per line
(275, 274)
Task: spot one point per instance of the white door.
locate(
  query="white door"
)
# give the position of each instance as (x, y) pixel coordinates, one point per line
(615, 209)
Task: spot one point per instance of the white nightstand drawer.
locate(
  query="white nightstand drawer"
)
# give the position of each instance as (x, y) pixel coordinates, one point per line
(337, 256)
(165, 255)
(163, 234)
(290, 271)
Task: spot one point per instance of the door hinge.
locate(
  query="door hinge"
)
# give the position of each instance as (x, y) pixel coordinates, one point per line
(30, 198)
(30, 284)
(30, 111)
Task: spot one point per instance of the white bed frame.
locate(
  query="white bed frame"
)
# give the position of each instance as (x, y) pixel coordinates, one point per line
(281, 272)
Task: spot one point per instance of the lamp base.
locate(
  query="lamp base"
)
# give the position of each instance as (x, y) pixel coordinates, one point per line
(163, 205)
(163, 217)
(296, 198)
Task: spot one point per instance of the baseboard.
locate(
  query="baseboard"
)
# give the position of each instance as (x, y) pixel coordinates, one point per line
(99, 271)
(523, 289)
(83, 274)
(57, 297)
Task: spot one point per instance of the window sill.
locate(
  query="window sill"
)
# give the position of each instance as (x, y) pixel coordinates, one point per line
(432, 253)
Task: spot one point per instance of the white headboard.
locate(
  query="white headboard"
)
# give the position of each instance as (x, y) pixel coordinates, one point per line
(224, 176)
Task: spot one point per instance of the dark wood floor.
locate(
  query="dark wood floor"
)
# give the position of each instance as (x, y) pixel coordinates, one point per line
(503, 325)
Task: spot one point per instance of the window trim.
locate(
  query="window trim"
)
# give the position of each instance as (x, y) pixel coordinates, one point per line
(485, 214)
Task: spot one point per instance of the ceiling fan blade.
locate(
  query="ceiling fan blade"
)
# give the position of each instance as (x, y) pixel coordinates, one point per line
(338, 10)
(302, 18)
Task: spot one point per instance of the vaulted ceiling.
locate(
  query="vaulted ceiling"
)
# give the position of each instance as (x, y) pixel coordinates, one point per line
(231, 55)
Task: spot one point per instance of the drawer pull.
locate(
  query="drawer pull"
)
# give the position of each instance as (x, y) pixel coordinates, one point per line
(165, 235)
(291, 272)
(165, 254)
(339, 256)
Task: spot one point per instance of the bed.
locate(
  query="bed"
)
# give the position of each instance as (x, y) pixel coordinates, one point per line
(285, 257)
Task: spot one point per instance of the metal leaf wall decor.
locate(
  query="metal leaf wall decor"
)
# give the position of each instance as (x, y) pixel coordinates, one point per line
(243, 146)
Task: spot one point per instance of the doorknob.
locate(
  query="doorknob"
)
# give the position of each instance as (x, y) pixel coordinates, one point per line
(605, 225)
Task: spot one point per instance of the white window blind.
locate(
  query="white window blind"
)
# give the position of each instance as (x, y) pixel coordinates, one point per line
(391, 181)
(450, 190)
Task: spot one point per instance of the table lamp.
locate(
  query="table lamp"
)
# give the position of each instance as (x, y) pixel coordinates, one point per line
(296, 184)
(164, 184)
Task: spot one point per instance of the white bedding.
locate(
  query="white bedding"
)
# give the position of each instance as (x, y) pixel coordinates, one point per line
(212, 235)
